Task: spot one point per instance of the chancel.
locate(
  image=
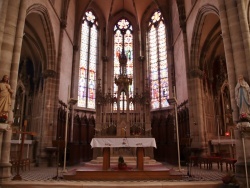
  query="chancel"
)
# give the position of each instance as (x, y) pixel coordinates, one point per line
(98, 81)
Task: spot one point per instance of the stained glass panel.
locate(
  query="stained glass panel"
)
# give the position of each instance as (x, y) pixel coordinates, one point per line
(158, 61)
(88, 59)
(123, 27)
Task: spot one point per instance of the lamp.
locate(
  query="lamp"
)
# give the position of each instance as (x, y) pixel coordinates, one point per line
(173, 101)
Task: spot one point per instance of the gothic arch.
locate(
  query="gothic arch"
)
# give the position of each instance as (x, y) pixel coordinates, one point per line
(202, 52)
(146, 18)
(49, 35)
(100, 18)
(196, 37)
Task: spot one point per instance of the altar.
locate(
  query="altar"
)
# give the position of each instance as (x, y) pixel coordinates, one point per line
(138, 143)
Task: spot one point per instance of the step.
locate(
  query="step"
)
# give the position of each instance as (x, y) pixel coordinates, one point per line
(128, 160)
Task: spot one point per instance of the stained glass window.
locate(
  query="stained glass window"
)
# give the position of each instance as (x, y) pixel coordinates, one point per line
(123, 30)
(158, 67)
(88, 59)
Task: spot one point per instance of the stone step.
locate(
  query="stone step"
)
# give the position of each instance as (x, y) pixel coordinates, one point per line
(128, 160)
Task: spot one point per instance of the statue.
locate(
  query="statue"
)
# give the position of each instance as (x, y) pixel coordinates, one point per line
(242, 96)
(5, 96)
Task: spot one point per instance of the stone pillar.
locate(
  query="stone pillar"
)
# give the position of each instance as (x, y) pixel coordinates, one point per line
(242, 143)
(229, 56)
(5, 138)
(243, 17)
(9, 36)
(17, 45)
(236, 38)
(196, 108)
(3, 12)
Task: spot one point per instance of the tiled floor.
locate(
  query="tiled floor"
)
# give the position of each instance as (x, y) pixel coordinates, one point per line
(42, 177)
(44, 173)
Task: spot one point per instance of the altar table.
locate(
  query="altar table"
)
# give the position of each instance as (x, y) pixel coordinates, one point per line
(107, 143)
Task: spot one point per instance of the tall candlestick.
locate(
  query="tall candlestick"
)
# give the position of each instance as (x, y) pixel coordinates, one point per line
(218, 130)
(140, 43)
(106, 42)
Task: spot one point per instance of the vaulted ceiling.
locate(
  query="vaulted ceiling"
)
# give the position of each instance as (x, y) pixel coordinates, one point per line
(135, 7)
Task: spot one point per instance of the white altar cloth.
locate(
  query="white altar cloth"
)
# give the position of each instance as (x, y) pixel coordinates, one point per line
(223, 141)
(122, 142)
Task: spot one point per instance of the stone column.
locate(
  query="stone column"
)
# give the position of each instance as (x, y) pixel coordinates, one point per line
(229, 56)
(242, 143)
(9, 35)
(236, 38)
(5, 166)
(243, 17)
(3, 11)
(196, 108)
(17, 51)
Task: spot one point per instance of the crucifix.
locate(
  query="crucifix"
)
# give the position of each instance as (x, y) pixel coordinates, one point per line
(17, 176)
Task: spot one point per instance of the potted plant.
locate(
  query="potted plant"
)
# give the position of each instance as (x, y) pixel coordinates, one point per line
(3, 118)
(121, 164)
(230, 181)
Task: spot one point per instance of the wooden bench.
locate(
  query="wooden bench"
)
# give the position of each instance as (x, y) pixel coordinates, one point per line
(230, 162)
(208, 161)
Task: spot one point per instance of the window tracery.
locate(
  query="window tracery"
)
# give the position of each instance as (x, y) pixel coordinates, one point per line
(157, 57)
(88, 59)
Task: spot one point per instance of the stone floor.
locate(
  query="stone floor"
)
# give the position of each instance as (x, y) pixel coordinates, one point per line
(52, 177)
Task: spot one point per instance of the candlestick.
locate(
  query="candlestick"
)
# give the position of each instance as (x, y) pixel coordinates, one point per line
(218, 123)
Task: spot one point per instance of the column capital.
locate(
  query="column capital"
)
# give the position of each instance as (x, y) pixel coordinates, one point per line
(141, 58)
(195, 73)
(75, 47)
(49, 73)
(63, 24)
(105, 58)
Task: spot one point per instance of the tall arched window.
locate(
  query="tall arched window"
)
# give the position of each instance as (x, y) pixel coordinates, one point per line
(123, 30)
(88, 59)
(157, 57)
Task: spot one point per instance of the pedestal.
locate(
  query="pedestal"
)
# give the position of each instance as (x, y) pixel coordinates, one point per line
(242, 143)
(5, 138)
(50, 154)
(140, 158)
(106, 158)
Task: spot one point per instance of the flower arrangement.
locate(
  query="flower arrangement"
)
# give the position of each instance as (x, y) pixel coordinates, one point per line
(3, 118)
(244, 117)
(121, 164)
(230, 180)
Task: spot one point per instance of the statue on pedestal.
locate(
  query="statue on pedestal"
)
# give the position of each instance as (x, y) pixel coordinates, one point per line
(5, 97)
(242, 96)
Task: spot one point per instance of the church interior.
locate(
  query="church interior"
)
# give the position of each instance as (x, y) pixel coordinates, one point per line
(167, 70)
